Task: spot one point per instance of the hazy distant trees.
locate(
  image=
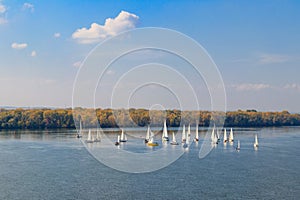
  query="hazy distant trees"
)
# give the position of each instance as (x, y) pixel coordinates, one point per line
(63, 118)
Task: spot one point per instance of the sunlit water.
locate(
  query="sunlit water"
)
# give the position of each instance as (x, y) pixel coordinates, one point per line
(55, 165)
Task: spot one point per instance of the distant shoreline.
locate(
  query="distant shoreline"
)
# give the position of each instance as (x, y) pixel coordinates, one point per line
(49, 119)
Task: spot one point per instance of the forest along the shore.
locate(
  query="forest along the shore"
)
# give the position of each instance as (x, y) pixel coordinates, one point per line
(109, 118)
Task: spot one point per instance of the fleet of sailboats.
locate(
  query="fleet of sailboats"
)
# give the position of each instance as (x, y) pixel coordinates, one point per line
(186, 136)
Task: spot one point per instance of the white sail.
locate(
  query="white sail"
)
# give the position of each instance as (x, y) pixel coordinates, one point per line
(118, 140)
(225, 136)
(183, 138)
(213, 135)
(123, 137)
(97, 139)
(79, 133)
(80, 127)
(238, 145)
(231, 135)
(256, 141)
(197, 132)
(90, 137)
(165, 129)
(189, 131)
(165, 136)
(148, 133)
(187, 139)
(218, 134)
(98, 134)
(151, 139)
(174, 138)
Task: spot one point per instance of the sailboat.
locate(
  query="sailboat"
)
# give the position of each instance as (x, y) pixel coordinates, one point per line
(189, 131)
(147, 135)
(90, 137)
(218, 135)
(79, 134)
(165, 136)
(97, 139)
(225, 136)
(174, 142)
(118, 141)
(214, 139)
(238, 146)
(197, 133)
(231, 135)
(183, 138)
(256, 141)
(123, 137)
(151, 140)
(188, 137)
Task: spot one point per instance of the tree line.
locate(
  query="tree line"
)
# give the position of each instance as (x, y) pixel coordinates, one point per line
(109, 118)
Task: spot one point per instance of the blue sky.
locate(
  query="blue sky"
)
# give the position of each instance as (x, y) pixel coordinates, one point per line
(255, 45)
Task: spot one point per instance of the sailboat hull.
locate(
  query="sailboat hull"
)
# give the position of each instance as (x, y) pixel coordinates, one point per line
(152, 144)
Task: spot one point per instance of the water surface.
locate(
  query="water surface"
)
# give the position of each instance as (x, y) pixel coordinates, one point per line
(55, 165)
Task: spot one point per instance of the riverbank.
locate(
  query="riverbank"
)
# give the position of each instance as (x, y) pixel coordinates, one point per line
(41, 119)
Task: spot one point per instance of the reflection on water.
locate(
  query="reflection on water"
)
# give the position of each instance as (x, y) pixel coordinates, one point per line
(55, 165)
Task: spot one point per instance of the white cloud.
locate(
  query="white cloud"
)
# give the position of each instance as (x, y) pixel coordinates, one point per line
(273, 58)
(2, 14)
(112, 26)
(33, 53)
(56, 35)
(77, 64)
(250, 86)
(18, 45)
(2, 8)
(293, 86)
(28, 6)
